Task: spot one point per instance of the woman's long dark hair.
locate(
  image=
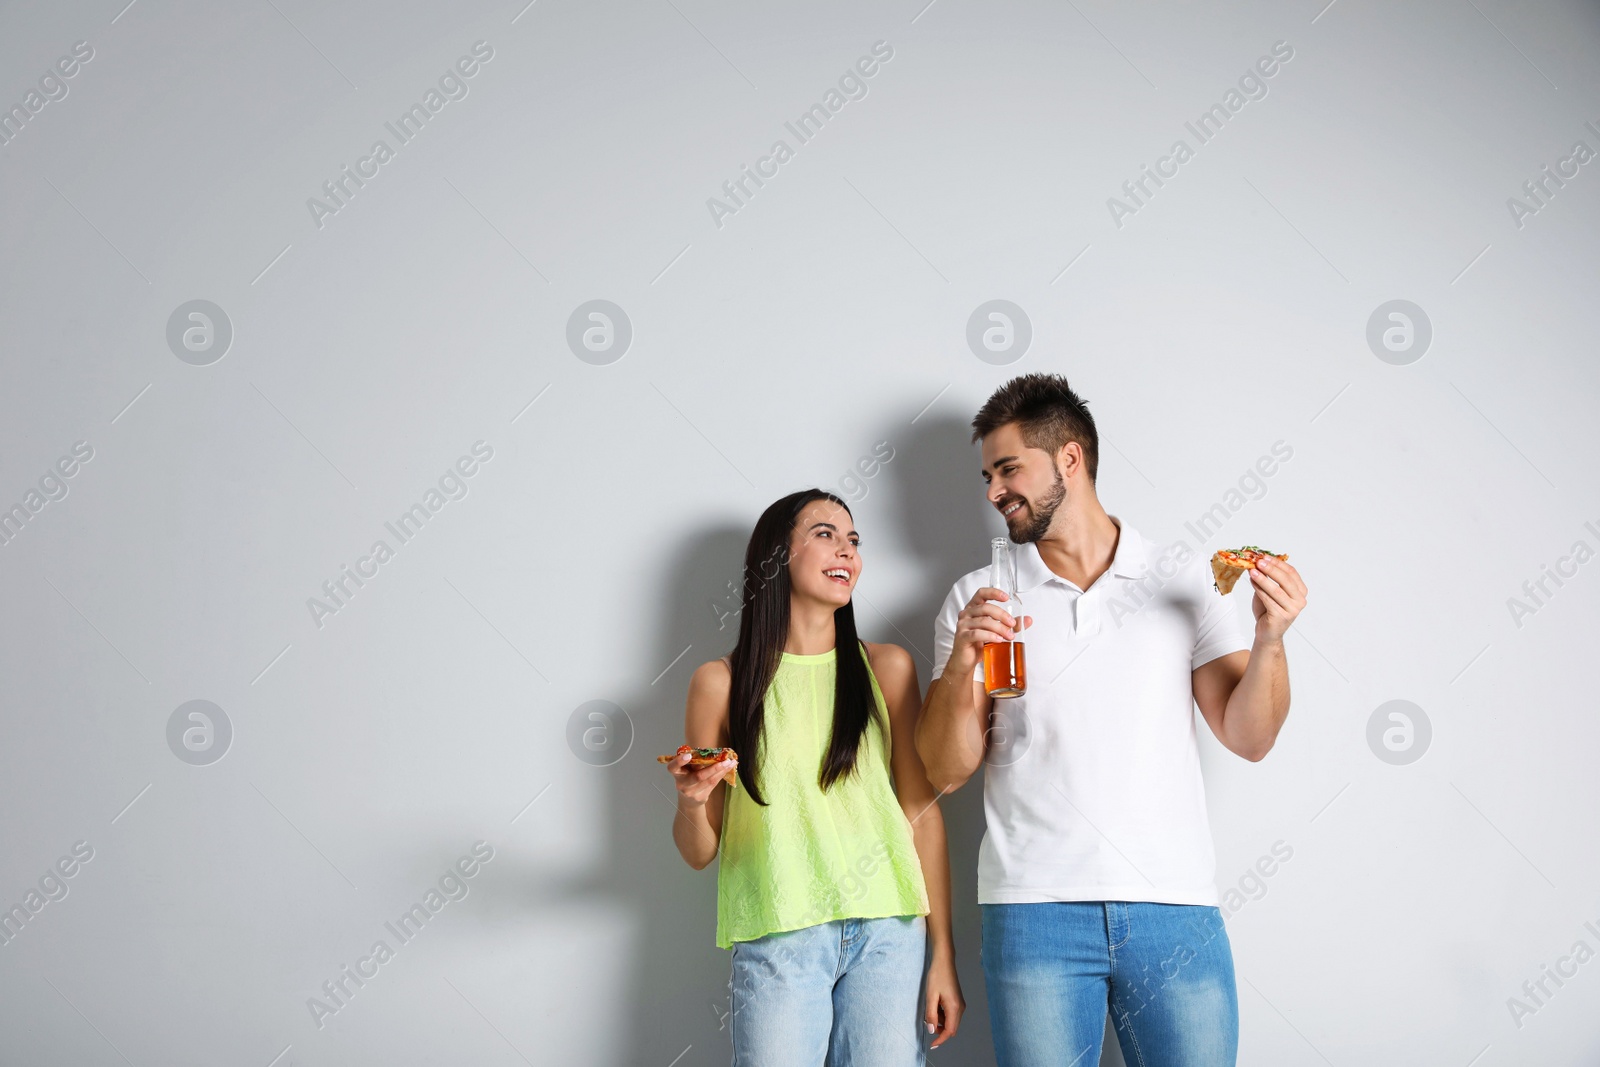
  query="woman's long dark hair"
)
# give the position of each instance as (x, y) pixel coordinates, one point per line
(763, 630)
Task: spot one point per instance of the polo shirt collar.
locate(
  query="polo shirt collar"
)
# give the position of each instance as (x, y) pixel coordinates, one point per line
(1128, 562)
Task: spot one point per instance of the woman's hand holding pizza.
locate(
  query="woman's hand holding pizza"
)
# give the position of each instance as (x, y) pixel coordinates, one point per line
(696, 784)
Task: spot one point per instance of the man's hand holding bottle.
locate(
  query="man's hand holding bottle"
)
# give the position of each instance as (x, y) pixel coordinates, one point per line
(984, 619)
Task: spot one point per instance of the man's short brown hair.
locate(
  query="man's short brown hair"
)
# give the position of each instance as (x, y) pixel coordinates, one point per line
(1049, 413)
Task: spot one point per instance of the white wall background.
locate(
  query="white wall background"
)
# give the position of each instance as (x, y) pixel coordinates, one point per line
(768, 354)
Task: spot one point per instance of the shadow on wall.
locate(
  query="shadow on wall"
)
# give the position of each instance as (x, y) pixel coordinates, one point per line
(676, 1000)
(942, 518)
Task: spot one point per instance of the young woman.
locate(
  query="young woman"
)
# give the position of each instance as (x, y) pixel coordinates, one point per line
(834, 884)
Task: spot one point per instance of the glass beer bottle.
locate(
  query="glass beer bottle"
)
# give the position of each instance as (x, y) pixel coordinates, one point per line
(1005, 668)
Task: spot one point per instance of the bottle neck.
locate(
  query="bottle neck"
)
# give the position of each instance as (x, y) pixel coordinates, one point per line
(1001, 574)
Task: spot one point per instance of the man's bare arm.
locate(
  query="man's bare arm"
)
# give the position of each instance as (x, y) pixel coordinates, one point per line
(951, 731)
(1244, 696)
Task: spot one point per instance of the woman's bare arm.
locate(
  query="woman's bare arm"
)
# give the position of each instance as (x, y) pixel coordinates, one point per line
(897, 678)
(697, 827)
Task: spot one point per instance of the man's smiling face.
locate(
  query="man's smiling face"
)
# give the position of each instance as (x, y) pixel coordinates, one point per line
(1024, 484)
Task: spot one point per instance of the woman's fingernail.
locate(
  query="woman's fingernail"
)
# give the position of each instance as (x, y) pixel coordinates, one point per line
(931, 1028)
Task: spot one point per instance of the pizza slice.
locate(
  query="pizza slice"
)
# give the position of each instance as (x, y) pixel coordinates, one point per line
(1228, 563)
(701, 757)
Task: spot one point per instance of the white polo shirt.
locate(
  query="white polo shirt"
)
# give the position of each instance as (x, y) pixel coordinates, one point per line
(1092, 786)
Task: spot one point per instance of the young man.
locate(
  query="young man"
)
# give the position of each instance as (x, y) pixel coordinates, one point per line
(1096, 873)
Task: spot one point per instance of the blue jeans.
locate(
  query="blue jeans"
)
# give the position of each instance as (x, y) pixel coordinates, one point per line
(1165, 971)
(846, 993)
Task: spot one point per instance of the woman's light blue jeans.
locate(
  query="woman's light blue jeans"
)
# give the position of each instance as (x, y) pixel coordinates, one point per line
(1165, 972)
(846, 993)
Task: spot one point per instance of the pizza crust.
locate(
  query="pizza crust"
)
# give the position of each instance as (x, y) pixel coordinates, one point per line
(1224, 574)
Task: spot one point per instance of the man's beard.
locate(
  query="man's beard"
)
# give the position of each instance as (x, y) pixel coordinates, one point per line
(1042, 514)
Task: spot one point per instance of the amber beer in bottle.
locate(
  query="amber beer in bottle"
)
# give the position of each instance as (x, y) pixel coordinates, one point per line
(1005, 668)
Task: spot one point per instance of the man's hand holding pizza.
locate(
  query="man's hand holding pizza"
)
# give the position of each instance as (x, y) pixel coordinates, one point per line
(1280, 594)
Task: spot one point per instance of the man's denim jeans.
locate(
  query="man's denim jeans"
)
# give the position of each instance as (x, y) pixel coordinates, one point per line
(1165, 972)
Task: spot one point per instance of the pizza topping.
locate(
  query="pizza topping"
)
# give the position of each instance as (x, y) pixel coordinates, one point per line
(1246, 556)
(700, 757)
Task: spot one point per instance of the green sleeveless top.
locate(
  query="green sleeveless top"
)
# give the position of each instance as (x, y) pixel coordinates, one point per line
(810, 856)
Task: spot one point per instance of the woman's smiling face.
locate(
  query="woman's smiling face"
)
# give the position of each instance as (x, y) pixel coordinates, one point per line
(824, 561)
